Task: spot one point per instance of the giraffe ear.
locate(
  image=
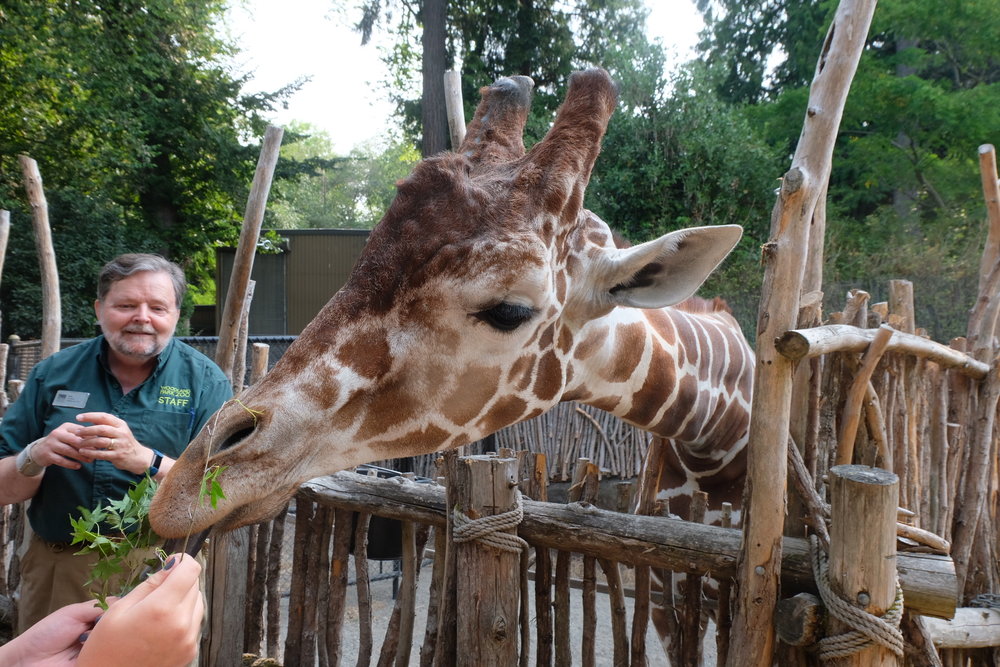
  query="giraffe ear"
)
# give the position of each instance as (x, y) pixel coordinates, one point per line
(670, 269)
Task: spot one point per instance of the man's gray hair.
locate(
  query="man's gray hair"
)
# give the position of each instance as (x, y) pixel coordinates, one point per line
(123, 266)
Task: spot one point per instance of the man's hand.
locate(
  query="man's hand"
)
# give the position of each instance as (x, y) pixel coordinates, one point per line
(109, 438)
(60, 447)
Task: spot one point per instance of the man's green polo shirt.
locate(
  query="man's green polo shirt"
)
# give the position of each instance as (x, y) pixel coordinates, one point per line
(165, 412)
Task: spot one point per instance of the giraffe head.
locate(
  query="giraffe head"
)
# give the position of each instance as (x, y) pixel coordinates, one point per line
(460, 317)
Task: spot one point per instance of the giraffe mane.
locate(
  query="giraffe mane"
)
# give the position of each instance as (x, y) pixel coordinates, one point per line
(698, 305)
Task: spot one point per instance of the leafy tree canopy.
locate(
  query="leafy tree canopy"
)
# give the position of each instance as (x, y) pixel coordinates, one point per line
(141, 134)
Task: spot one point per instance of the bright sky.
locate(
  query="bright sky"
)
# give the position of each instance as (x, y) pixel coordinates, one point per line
(285, 40)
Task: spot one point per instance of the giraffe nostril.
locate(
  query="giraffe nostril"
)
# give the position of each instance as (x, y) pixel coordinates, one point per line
(236, 438)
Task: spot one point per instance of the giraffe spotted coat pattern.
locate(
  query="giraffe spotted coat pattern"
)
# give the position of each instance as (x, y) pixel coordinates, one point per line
(486, 295)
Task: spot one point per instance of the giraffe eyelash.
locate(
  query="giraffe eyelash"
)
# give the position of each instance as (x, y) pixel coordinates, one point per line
(504, 316)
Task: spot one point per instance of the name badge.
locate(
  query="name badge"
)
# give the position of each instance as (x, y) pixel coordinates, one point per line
(70, 399)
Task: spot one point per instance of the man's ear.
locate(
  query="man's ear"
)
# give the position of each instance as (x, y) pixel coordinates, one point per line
(667, 270)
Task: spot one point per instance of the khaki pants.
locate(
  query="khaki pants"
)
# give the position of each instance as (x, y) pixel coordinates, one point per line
(53, 576)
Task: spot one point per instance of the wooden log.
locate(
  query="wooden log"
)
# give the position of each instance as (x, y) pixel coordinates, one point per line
(972, 627)
(273, 624)
(532, 470)
(862, 565)
(253, 643)
(446, 649)
(51, 300)
(784, 255)
(246, 247)
(4, 236)
(454, 108)
(969, 504)
(852, 408)
(486, 585)
(991, 194)
(363, 587)
(334, 575)
(799, 619)
(296, 598)
(690, 621)
(799, 344)
(724, 616)
(928, 580)
(434, 599)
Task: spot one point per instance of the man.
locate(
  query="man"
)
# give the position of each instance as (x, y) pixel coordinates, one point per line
(95, 418)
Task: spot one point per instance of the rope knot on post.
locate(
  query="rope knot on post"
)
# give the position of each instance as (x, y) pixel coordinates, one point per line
(868, 629)
(488, 530)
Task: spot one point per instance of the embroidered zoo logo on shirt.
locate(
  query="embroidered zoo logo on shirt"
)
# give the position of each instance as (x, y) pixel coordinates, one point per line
(174, 396)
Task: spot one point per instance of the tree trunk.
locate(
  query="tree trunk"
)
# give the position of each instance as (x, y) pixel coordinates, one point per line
(434, 117)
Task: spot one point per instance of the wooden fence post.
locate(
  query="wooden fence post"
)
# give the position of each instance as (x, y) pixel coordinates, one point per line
(862, 565)
(487, 575)
(51, 300)
(784, 256)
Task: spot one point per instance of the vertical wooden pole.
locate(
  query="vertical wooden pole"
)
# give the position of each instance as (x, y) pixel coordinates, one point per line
(234, 547)
(991, 193)
(533, 470)
(863, 550)
(51, 302)
(487, 577)
(784, 256)
(253, 218)
(454, 107)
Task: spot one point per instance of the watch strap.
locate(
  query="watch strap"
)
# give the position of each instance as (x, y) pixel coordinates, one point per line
(154, 465)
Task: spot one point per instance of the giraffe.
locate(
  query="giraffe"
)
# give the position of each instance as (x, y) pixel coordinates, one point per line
(486, 295)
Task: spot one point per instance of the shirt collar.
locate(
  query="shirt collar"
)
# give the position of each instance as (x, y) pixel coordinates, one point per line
(161, 358)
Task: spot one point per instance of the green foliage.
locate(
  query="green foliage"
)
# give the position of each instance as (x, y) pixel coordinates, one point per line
(682, 160)
(139, 130)
(115, 532)
(904, 197)
(336, 192)
(210, 488)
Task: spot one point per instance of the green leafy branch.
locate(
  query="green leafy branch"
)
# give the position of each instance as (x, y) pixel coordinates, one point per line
(210, 488)
(118, 533)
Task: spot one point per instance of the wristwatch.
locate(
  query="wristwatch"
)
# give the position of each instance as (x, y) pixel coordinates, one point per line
(26, 465)
(154, 465)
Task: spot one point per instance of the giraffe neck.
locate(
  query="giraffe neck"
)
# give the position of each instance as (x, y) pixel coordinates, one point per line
(685, 376)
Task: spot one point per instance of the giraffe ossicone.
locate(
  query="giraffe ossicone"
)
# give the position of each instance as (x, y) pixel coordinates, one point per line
(486, 295)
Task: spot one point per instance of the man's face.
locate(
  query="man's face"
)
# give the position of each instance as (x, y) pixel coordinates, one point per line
(139, 314)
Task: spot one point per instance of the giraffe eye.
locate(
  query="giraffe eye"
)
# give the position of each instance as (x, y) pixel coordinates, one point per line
(505, 316)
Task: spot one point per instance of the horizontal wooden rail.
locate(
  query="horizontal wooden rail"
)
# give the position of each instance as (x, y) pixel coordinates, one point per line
(805, 343)
(928, 581)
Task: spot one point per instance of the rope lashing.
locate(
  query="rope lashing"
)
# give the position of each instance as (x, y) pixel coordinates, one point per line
(867, 629)
(488, 529)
